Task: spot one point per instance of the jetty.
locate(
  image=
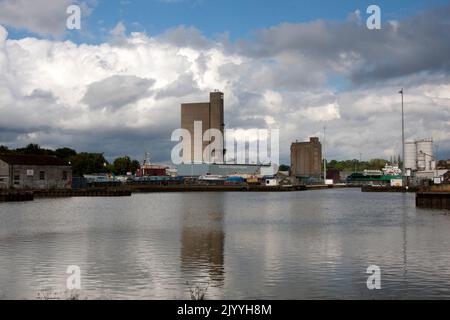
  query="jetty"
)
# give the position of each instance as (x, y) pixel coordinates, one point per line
(433, 200)
(16, 196)
(22, 196)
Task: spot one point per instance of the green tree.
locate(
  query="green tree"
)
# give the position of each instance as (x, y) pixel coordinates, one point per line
(35, 149)
(65, 153)
(123, 165)
(30, 149)
(4, 149)
(356, 165)
(377, 164)
(135, 165)
(88, 163)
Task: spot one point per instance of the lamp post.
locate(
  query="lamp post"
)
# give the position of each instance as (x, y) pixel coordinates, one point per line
(324, 158)
(403, 138)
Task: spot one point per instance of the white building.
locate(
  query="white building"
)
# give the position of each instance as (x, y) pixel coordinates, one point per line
(419, 155)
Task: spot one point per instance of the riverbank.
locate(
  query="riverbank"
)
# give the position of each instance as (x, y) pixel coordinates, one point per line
(21, 196)
(126, 191)
(221, 188)
(16, 196)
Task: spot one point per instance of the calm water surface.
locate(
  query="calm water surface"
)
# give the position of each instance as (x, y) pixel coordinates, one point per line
(304, 245)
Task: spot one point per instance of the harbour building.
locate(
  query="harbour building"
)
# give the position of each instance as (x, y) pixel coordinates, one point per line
(420, 162)
(306, 159)
(34, 172)
(211, 116)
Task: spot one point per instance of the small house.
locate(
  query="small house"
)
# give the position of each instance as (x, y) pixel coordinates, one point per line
(34, 172)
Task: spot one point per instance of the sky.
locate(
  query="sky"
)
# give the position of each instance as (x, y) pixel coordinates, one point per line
(116, 85)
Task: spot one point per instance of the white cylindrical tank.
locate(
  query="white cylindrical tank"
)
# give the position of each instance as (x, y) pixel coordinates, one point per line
(424, 154)
(410, 155)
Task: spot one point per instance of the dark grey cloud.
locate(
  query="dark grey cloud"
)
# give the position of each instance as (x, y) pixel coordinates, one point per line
(416, 44)
(117, 91)
(183, 86)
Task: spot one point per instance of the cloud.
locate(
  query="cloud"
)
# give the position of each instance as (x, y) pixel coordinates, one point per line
(116, 92)
(119, 31)
(401, 48)
(183, 86)
(123, 97)
(183, 36)
(322, 113)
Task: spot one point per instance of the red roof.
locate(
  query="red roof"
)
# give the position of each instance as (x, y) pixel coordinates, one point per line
(32, 160)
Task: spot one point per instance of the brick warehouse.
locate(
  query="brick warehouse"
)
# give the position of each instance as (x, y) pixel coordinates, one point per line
(34, 172)
(306, 158)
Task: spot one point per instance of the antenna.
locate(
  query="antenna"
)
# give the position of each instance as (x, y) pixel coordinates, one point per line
(146, 158)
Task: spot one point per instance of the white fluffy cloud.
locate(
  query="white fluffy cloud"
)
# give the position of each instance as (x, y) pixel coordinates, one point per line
(124, 97)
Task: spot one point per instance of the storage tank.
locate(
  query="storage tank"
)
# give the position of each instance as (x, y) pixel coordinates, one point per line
(424, 154)
(410, 155)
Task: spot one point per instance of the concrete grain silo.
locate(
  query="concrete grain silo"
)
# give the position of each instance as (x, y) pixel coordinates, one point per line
(411, 155)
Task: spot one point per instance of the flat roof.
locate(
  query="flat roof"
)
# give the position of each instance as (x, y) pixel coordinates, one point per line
(32, 160)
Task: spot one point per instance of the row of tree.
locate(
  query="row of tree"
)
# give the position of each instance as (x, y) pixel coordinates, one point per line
(83, 162)
(352, 165)
(356, 165)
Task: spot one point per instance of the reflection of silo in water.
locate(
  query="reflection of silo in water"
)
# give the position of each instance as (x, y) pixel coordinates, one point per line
(202, 247)
(424, 154)
(410, 155)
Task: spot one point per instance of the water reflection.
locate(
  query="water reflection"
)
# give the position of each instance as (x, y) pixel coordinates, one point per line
(309, 245)
(404, 207)
(203, 239)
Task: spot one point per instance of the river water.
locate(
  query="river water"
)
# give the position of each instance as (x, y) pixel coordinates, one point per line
(299, 245)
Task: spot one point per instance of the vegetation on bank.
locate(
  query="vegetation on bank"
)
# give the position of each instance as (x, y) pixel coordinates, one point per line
(83, 162)
(356, 165)
(351, 165)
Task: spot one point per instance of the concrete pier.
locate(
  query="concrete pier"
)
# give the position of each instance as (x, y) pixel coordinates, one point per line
(199, 188)
(16, 196)
(20, 196)
(389, 189)
(93, 192)
(433, 200)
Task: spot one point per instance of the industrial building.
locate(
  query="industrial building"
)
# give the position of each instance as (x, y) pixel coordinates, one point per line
(306, 159)
(419, 155)
(420, 162)
(211, 115)
(34, 172)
